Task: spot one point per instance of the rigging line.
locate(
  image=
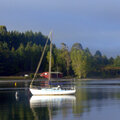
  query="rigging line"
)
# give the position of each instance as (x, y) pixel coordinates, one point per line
(40, 60)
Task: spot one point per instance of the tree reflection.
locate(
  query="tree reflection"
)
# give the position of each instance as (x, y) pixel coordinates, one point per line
(10, 109)
(17, 105)
(90, 95)
(82, 96)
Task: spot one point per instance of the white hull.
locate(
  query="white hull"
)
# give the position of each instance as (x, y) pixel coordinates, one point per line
(51, 91)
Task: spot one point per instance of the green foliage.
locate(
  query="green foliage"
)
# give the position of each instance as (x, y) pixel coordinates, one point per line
(98, 54)
(15, 38)
(65, 55)
(3, 29)
(21, 52)
(31, 75)
(81, 62)
(116, 61)
(48, 58)
(77, 46)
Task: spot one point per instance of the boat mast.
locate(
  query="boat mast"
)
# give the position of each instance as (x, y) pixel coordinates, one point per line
(50, 57)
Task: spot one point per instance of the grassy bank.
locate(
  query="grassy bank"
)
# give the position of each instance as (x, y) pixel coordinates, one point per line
(13, 78)
(29, 78)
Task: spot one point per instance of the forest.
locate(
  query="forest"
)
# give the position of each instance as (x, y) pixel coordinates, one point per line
(20, 53)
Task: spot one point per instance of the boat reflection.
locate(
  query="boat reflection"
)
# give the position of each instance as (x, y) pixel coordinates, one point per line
(37, 101)
(48, 105)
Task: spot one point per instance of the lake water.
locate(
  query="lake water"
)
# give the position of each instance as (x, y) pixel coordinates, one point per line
(94, 100)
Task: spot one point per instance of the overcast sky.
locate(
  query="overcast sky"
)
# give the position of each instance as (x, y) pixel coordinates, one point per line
(93, 23)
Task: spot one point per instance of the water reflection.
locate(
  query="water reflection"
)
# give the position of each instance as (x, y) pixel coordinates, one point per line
(53, 105)
(92, 101)
(15, 109)
(37, 101)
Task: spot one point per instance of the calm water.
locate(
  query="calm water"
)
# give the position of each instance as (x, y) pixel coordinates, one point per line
(94, 100)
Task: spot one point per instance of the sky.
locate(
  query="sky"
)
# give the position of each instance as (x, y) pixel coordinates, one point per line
(93, 23)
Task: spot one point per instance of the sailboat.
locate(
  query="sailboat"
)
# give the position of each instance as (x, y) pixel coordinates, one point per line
(49, 90)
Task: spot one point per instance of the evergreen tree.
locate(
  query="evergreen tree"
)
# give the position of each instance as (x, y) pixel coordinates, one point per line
(3, 29)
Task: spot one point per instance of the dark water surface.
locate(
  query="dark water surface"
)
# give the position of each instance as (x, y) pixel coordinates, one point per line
(94, 100)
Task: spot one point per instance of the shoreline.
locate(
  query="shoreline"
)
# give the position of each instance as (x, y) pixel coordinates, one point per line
(28, 79)
(85, 79)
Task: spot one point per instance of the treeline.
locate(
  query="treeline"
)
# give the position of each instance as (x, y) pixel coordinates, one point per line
(15, 38)
(20, 53)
